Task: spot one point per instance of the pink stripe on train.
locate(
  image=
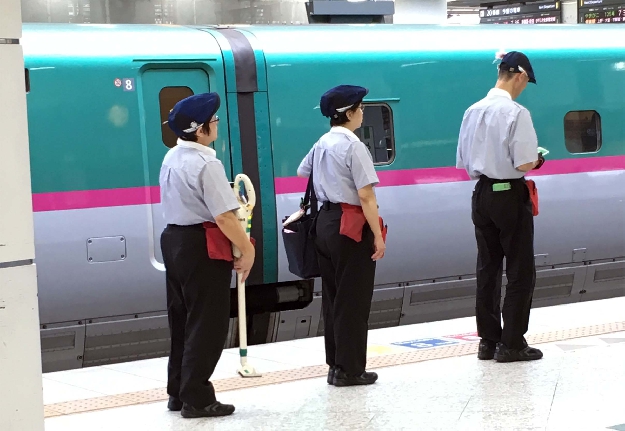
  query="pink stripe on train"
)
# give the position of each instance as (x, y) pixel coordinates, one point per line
(82, 199)
(405, 177)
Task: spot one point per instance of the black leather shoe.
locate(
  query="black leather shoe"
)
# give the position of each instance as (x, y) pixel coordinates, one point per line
(342, 379)
(331, 375)
(215, 409)
(504, 354)
(174, 404)
(486, 350)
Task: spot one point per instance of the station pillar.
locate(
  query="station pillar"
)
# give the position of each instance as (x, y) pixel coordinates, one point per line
(569, 12)
(21, 392)
(420, 12)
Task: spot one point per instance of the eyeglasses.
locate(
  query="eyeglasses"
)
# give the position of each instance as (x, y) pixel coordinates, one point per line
(216, 120)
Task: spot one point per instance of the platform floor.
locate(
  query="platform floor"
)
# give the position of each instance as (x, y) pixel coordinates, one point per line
(430, 379)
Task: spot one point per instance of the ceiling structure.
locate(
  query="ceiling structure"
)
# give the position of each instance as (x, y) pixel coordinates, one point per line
(462, 7)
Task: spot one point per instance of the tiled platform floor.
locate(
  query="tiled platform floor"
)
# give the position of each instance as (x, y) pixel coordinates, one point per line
(578, 385)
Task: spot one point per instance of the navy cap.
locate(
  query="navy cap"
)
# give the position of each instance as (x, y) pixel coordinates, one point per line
(189, 114)
(517, 62)
(340, 99)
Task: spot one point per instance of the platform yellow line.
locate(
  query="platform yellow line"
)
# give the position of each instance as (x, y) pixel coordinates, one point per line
(276, 377)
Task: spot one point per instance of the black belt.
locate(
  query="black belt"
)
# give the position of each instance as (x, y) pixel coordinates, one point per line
(186, 227)
(330, 206)
(499, 185)
(497, 180)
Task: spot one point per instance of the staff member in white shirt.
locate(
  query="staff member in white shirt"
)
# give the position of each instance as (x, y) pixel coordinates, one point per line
(198, 204)
(498, 145)
(350, 236)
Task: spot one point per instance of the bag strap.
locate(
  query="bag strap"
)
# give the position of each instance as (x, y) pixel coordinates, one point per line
(310, 196)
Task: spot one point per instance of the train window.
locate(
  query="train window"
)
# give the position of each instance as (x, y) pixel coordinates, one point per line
(376, 132)
(582, 131)
(168, 97)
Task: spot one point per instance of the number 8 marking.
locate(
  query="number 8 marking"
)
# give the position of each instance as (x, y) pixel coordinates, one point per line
(128, 84)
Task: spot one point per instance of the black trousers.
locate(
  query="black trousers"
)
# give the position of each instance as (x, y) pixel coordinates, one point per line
(347, 274)
(504, 226)
(198, 307)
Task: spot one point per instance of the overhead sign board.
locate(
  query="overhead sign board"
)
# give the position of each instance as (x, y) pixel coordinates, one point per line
(352, 8)
(344, 12)
(529, 13)
(601, 11)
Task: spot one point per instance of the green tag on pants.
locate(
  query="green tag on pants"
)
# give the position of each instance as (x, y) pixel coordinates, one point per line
(500, 187)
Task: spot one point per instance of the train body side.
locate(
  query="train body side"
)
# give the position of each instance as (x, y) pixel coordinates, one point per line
(96, 149)
(428, 76)
(97, 140)
(95, 169)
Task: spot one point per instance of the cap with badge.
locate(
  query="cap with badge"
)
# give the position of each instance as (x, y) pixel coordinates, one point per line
(516, 62)
(340, 99)
(190, 113)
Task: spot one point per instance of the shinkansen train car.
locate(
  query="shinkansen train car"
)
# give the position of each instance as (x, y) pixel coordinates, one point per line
(99, 95)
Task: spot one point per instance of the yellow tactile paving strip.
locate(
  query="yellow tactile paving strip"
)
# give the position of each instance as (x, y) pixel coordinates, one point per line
(379, 361)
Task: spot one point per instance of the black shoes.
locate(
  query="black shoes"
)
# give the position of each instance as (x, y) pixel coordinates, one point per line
(174, 404)
(215, 409)
(498, 351)
(331, 375)
(486, 350)
(342, 379)
(505, 354)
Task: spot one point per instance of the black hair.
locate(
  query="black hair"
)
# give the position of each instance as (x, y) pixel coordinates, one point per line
(504, 74)
(342, 116)
(193, 135)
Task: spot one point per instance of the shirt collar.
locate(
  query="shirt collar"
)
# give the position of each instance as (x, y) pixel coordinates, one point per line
(499, 92)
(196, 146)
(343, 130)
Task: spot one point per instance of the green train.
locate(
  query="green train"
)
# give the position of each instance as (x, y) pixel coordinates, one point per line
(98, 96)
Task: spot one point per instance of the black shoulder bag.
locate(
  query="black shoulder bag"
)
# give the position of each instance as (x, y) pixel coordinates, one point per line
(299, 236)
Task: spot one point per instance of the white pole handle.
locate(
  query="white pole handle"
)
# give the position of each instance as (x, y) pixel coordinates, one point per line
(244, 214)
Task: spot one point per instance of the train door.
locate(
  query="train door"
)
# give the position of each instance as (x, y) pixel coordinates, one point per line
(161, 89)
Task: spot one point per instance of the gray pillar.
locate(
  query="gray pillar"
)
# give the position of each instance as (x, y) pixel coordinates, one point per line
(420, 12)
(569, 11)
(35, 11)
(259, 12)
(21, 393)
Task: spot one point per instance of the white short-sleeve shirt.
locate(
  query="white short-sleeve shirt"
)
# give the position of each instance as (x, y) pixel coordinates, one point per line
(496, 137)
(342, 166)
(194, 187)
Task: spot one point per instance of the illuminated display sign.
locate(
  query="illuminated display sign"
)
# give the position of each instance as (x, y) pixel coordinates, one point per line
(531, 13)
(601, 11)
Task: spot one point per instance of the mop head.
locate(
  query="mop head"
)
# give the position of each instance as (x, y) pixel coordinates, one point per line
(248, 371)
